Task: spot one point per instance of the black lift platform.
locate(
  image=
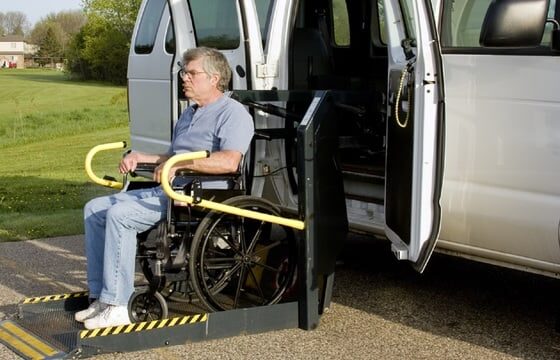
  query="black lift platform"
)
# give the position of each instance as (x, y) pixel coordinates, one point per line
(45, 327)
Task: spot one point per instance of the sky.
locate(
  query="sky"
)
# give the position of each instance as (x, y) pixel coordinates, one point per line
(36, 9)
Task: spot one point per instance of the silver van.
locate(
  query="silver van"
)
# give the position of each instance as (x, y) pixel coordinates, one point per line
(450, 144)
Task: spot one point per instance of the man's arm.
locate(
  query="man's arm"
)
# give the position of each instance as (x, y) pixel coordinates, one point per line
(219, 162)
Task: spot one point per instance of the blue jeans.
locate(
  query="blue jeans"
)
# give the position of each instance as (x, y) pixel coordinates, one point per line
(111, 225)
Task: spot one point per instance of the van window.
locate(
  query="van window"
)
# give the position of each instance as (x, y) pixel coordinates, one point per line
(407, 8)
(216, 23)
(170, 39)
(147, 30)
(341, 23)
(546, 40)
(462, 22)
(382, 28)
(264, 12)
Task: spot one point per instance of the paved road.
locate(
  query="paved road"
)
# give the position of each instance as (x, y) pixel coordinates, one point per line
(381, 309)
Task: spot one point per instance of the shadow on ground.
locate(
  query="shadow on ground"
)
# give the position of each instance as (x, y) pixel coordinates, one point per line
(39, 268)
(501, 309)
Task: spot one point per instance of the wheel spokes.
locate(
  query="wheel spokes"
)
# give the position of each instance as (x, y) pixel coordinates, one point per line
(256, 237)
(268, 247)
(223, 237)
(242, 279)
(219, 263)
(258, 285)
(266, 267)
(226, 278)
(234, 258)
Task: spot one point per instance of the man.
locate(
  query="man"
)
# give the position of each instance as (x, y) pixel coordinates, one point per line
(215, 123)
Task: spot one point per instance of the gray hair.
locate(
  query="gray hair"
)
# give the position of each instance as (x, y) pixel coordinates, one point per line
(213, 62)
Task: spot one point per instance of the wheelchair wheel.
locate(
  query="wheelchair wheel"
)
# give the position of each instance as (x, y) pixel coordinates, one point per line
(147, 306)
(237, 262)
(179, 291)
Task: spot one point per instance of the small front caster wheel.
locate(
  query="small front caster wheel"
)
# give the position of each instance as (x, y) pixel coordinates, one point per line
(147, 306)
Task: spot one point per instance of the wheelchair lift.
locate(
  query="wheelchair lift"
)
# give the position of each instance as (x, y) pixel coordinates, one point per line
(44, 327)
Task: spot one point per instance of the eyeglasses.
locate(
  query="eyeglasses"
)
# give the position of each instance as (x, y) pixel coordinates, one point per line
(190, 74)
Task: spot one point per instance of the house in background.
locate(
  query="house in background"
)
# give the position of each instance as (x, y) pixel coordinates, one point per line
(30, 51)
(12, 50)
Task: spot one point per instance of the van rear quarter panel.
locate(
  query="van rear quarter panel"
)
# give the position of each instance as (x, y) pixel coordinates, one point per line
(151, 110)
(501, 194)
(150, 92)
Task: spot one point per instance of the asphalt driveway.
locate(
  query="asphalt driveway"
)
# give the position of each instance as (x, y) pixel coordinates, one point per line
(381, 308)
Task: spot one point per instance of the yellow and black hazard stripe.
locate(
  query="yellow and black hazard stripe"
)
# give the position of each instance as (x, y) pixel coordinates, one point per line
(25, 343)
(143, 326)
(41, 299)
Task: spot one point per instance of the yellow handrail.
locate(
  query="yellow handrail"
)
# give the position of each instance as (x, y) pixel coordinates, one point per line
(89, 158)
(293, 223)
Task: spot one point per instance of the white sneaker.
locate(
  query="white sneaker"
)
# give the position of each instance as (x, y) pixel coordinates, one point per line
(112, 315)
(94, 308)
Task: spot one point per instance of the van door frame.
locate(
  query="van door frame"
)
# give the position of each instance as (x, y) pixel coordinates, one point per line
(426, 112)
(271, 71)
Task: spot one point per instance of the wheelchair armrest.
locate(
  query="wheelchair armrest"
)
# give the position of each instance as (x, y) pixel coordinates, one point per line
(146, 167)
(150, 167)
(232, 179)
(204, 176)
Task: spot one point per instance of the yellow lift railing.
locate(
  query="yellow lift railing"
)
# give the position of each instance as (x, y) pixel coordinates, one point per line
(293, 223)
(89, 157)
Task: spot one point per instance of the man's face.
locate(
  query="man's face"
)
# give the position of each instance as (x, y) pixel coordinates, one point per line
(197, 84)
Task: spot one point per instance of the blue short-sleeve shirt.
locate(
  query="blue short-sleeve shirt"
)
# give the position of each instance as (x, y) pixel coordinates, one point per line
(222, 125)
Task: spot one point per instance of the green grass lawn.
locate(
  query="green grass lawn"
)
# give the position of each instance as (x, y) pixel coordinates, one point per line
(47, 125)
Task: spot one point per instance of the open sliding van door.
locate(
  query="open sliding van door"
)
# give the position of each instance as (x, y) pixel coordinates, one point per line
(415, 131)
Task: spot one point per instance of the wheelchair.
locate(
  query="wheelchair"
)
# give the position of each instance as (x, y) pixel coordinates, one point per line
(213, 259)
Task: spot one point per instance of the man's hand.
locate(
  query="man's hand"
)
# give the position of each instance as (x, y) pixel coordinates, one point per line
(128, 163)
(157, 173)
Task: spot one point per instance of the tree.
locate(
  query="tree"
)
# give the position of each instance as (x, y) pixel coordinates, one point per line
(41, 29)
(76, 63)
(100, 50)
(120, 14)
(2, 28)
(107, 54)
(50, 48)
(70, 21)
(14, 23)
(65, 25)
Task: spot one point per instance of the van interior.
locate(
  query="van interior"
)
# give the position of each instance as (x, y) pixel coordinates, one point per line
(338, 45)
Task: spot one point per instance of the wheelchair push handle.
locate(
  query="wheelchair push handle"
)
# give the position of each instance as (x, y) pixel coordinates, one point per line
(105, 181)
(165, 184)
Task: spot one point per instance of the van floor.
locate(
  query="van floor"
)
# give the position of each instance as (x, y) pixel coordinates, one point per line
(377, 171)
(369, 164)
